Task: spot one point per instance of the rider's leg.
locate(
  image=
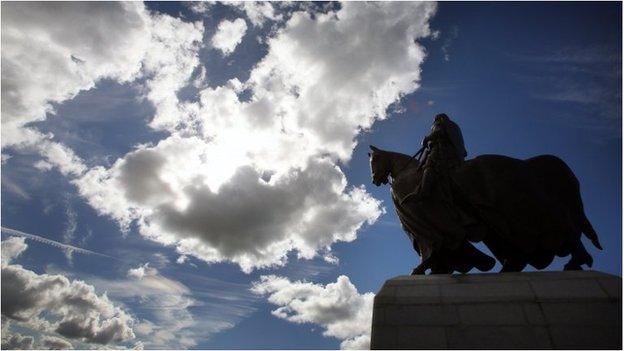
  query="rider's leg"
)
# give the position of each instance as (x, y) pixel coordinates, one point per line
(424, 189)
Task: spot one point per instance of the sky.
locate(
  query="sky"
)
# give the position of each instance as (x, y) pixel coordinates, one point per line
(195, 175)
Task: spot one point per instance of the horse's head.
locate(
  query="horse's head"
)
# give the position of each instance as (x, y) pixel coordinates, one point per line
(380, 166)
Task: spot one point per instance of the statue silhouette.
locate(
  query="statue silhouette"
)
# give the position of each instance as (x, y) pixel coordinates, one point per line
(524, 211)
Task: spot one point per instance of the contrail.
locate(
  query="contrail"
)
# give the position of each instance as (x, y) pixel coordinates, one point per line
(53, 243)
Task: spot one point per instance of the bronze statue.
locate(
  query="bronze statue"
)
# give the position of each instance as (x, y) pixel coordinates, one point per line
(446, 151)
(524, 211)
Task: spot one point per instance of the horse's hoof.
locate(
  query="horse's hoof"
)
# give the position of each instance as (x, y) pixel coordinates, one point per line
(572, 267)
(486, 264)
(418, 271)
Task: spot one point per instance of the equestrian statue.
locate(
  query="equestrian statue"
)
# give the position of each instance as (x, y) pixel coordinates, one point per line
(525, 211)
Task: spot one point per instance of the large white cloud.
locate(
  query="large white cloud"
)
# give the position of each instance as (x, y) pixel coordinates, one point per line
(52, 51)
(332, 75)
(240, 181)
(248, 221)
(250, 181)
(337, 307)
(229, 34)
(53, 303)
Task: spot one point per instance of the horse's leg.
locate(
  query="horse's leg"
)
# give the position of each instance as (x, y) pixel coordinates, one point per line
(514, 263)
(478, 259)
(443, 264)
(441, 268)
(467, 257)
(541, 259)
(421, 269)
(579, 257)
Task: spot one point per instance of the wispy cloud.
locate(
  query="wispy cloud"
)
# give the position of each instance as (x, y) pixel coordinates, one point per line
(174, 315)
(14, 188)
(589, 77)
(448, 41)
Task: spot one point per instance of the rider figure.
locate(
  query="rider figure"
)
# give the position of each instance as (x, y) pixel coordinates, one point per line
(446, 152)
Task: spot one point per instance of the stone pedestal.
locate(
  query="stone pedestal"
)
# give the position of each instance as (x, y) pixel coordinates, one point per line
(527, 310)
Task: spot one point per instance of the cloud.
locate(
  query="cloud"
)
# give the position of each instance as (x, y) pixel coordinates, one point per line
(344, 313)
(248, 221)
(142, 271)
(11, 248)
(448, 41)
(250, 181)
(172, 315)
(38, 43)
(66, 248)
(586, 78)
(53, 303)
(259, 12)
(229, 34)
(71, 222)
(17, 341)
(53, 51)
(55, 343)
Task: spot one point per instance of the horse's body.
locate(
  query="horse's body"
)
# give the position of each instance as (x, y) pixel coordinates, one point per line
(525, 212)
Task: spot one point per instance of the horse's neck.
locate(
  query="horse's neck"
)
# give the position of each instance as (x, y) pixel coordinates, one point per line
(400, 163)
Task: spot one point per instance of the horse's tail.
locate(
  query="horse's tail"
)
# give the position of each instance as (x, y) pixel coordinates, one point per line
(568, 187)
(581, 217)
(587, 227)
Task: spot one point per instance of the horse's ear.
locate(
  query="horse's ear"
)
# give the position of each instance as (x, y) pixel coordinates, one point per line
(373, 148)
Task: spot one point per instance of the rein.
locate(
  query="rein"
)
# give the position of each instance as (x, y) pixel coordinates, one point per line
(416, 155)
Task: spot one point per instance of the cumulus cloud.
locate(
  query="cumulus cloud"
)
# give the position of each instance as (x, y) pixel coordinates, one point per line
(344, 313)
(11, 248)
(249, 181)
(17, 341)
(53, 51)
(38, 42)
(55, 343)
(247, 221)
(259, 12)
(53, 303)
(41, 43)
(142, 271)
(229, 34)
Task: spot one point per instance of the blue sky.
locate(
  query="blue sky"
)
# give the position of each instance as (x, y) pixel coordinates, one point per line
(208, 150)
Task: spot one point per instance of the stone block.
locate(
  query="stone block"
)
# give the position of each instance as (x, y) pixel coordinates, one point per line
(582, 313)
(567, 289)
(586, 337)
(384, 337)
(379, 315)
(432, 315)
(498, 313)
(429, 293)
(526, 310)
(498, 337)
(410, 337)
(386, 295)
(486, 292)
(533, 313)
(613, 288)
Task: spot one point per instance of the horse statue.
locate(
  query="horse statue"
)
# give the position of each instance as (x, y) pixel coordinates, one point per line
(525, 212)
